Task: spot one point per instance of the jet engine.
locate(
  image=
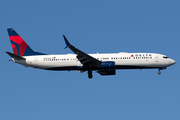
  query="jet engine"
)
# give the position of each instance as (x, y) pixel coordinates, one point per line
(107, 68)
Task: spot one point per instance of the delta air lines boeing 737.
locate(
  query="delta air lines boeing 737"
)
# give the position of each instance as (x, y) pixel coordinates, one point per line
(104, 64)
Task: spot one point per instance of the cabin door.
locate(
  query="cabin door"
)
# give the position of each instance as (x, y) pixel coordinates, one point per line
(156, 59)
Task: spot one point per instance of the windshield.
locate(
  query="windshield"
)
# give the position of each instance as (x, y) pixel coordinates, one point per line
(165, 57)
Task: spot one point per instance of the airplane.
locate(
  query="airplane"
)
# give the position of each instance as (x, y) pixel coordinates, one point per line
(104, 64)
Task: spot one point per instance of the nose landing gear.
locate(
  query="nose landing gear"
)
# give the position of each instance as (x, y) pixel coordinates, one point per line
(163, 68)
(159, 72)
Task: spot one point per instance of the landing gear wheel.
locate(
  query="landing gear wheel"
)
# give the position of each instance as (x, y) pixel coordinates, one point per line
(159, 72)
(90, 74)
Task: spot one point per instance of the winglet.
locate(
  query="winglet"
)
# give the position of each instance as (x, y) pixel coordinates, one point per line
(66, 41)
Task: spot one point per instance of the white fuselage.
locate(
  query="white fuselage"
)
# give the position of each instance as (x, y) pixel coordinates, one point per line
(122, 61)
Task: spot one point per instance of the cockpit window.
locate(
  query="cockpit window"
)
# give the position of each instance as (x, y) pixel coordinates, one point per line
(165, 57)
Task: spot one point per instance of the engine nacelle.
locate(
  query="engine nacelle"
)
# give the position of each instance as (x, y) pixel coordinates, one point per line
(108, 64)
(107, 68)
(107, 71)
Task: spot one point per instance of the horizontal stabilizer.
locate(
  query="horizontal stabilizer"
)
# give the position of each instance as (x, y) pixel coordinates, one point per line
(15, 56)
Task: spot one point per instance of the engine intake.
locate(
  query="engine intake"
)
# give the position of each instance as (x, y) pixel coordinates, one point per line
(107, 68)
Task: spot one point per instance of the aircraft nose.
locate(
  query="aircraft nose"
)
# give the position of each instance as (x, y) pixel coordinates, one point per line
(172, 62)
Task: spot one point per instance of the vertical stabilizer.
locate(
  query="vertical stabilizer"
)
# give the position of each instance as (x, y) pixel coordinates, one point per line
(19, 46)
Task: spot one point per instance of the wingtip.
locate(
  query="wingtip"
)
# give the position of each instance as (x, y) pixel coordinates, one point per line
(9, 28)
(66, 41)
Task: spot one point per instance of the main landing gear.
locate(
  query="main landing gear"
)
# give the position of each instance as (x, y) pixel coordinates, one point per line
(90, 74)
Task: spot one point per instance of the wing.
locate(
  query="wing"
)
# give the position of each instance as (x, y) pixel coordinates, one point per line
(84, 58)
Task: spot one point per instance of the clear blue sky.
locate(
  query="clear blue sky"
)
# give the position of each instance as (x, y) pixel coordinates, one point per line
(102, 26)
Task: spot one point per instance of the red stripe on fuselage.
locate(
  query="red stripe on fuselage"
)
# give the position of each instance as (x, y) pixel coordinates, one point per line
(22, 44)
